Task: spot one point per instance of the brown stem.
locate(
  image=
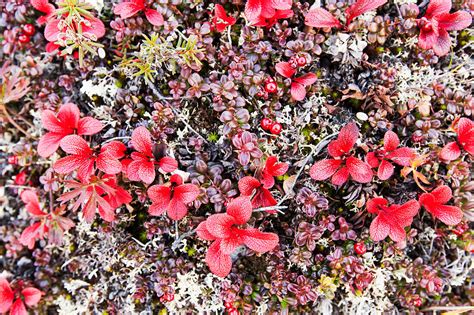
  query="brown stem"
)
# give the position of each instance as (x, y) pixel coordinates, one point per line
(11, 121)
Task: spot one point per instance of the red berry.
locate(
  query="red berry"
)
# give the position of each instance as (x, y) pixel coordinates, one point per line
(266, 123)
(268, 80)
(232, 311)
(360, 248)
(301, 61)
(75, 54)
(13, 160)
(20, 178)
(167, 297)
(29, 29)
(276, 128)
(271, 87)
(417, 302)
(24, 39)
(460, 229)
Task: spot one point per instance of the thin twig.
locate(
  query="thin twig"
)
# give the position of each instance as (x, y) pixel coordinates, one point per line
(175, 111)
(116, 138)
(178, 113)
(270, 208)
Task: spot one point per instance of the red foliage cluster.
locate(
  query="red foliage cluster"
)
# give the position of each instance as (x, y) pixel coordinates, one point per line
(223, 229)
(15, 300)
(344, 164)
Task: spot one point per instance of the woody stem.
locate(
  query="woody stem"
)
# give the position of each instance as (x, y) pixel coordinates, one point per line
(11, 121)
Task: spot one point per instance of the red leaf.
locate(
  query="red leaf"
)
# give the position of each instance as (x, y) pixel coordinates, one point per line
(51, 31)
(442, 194)
(146, 172)
(6, 296)
(141, 141)
(247, 185)
(108, 164)
(454, 21)
(229, 245)
(324, 169)
(466, 134)
(360, 171)
(30, 234)
(284, 69)
(221, 21)
(340, 177)
(443, 43)
(390, 141)
(402, 156)
(298, 91)
(281, 4)
(32, 296)
(436, 7)
(52, 123)
(89, 126)
(259, 241)
(263, 198)
(168, 164)
(176, 209)
(49, 143)
(347, 137)
(372, 159)
(219, 263)
(160, 195)
(379, 229)
(220, 225)
(450, 152)
(385, 170)
(407, 211)
(154, 17)
(115, 148)
(434, 203)
(74, 144)
(427, 39)
(43, 6)
(95, 28)
(362, 6)
(69, 115)
(18, 308)
(306, 79)
(240, 209)
(375, 204)
(319, 17)
(186, 193)
(129, 9)
(253, 8)
(203, 233)
(68, 164)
